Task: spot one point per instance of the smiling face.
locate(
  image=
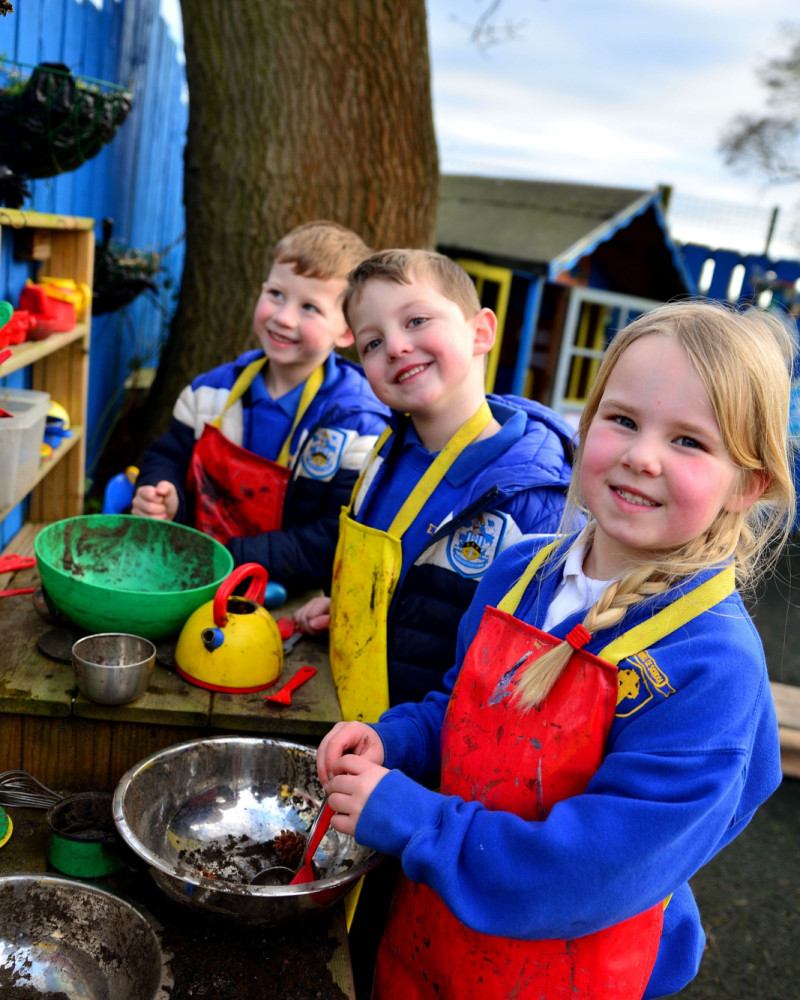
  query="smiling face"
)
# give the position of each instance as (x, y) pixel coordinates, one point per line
(420, 353)
(655, 472)
(298, 321)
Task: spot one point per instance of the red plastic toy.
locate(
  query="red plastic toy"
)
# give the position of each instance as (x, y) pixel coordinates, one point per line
(16, 329)
(51, 315)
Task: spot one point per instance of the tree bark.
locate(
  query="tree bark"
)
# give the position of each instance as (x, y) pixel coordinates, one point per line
(298, 111)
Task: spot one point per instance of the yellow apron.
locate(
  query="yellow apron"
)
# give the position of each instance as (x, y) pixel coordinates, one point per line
(365, 573)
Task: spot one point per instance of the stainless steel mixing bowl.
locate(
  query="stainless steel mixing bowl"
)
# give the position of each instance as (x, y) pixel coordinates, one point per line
(200, 814)
(59, 936)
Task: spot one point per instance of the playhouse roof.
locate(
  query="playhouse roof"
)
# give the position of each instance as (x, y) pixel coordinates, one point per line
(546, 227)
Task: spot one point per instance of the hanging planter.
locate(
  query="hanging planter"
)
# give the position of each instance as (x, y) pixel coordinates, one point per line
(54, 122)
(121, 274)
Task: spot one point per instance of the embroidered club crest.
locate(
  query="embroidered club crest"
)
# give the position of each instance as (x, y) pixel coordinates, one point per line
(474, 544)
(322, 456)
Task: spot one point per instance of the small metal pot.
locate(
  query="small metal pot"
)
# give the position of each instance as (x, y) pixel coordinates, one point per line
(113, 668)
(83, 836)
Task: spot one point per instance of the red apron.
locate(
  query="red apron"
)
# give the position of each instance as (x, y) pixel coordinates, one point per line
(236, 492)
(427, 952)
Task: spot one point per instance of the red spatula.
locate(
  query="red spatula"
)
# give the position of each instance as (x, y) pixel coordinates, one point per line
(284, 696)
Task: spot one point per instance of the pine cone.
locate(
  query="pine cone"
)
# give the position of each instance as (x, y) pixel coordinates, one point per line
(288, 847)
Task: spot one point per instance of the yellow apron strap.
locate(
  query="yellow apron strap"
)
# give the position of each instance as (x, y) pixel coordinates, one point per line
(313, 382)
(387, 433)
(647, 633)
(510, 602)
(240, 387)
(351, 901)
(671, 618)
(438, 468)
(245, 380)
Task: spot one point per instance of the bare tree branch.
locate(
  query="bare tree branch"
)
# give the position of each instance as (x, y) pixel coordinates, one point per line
(486, 31)
(770, 144)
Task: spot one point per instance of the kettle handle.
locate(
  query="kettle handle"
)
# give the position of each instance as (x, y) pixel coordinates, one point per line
(255, 592)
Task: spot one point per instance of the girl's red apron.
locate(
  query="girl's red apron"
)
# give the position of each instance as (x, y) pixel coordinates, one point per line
(366, 569)
(426, 951)
(235, 491)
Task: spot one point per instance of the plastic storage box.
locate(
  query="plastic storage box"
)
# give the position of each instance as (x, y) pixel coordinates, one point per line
(21, 437)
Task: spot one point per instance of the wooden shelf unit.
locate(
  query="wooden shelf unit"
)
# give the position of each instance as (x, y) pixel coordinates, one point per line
(60, 363)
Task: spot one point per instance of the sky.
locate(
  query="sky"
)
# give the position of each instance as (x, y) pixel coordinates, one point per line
(632, 93)
(628, 93)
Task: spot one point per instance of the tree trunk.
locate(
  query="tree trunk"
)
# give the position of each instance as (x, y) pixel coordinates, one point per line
(298, 111)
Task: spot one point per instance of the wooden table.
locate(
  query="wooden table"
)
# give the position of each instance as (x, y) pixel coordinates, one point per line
(205, 958)
(71, 744)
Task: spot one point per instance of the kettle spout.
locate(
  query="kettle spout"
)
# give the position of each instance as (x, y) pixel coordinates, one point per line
(212, 638)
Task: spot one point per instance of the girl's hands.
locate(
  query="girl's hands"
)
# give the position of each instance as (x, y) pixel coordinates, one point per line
(349, 763)
(315, 616)
(354, 779)
(159, 502)
(347, 738)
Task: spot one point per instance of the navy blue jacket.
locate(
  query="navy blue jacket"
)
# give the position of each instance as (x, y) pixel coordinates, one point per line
(498, 490)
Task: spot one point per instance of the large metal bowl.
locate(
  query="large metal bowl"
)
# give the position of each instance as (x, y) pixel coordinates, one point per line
(65, 938)
(200, 814)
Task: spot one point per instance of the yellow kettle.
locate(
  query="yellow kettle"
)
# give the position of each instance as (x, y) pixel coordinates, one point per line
(232, 643)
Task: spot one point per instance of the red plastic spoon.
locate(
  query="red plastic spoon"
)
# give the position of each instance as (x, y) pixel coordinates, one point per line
(318, 831)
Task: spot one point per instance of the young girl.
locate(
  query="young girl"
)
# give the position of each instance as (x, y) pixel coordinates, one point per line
(610, 726)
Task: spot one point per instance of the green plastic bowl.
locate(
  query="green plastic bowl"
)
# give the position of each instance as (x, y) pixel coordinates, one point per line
(121, 573)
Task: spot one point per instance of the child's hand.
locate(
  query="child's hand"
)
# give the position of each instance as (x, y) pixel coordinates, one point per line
(354, 780)
(160, 502)
(347, 738)
(315, 616)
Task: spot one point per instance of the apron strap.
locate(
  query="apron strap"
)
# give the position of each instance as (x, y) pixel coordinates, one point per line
(240, 387)
(438, 468)
(387, 433)
(310, 389)
(671, 618)
(510, 602)
(246, 379)
(665, 622)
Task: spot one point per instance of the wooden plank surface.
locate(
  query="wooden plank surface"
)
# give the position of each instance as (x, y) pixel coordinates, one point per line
(69, 742)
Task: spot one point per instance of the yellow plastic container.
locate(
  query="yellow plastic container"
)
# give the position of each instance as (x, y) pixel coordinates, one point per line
(67, 290)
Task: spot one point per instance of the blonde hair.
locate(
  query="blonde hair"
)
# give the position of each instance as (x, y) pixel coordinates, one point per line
(743, 359)
(401, 267)
(321, 249)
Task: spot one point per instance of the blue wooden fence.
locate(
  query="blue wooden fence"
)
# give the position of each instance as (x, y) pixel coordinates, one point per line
(757, 274)
(137, 180)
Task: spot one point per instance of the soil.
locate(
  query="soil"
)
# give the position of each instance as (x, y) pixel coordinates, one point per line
(237, 859)
(85, 816)
(275, 966)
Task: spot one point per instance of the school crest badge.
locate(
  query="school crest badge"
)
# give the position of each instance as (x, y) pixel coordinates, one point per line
(322, 456)
(639, 681)
(474, 544)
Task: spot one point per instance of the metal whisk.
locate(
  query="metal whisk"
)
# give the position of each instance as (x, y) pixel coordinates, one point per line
(18, 788)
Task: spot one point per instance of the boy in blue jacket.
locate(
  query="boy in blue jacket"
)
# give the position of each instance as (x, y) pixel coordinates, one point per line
(455, 480)
(262, 452)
